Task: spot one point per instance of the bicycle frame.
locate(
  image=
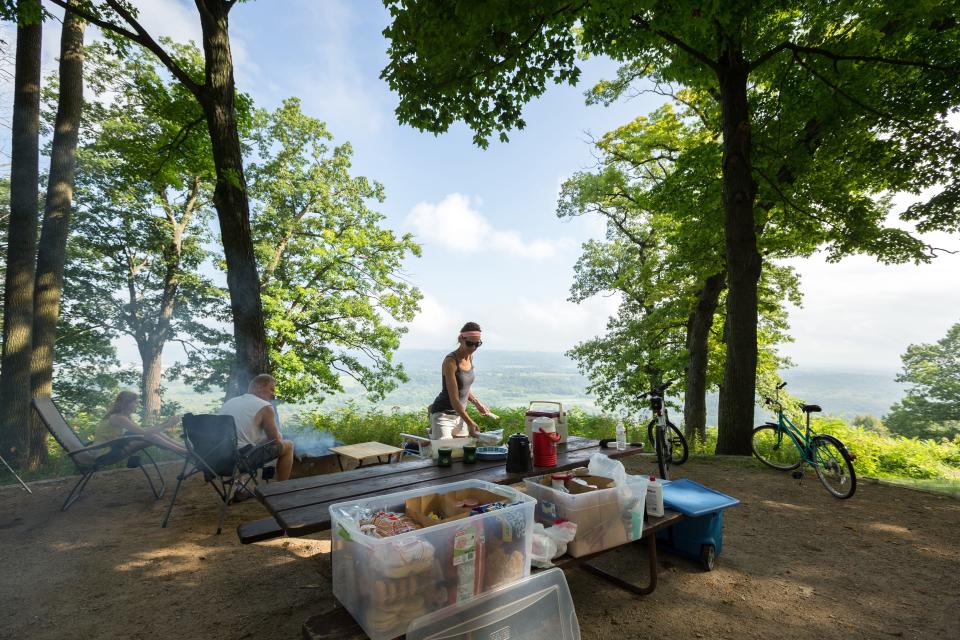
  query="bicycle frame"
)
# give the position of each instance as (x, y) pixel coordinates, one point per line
(659, 409)
(800, 439)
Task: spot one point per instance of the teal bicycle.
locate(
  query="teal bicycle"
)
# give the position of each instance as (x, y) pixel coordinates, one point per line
(782, 445)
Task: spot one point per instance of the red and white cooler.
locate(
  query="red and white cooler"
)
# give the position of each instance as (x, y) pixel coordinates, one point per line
(546, 409)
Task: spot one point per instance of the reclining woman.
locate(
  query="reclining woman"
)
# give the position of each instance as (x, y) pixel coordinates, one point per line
(119, 422)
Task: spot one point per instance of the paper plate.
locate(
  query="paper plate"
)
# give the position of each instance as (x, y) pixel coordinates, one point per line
(491, 453)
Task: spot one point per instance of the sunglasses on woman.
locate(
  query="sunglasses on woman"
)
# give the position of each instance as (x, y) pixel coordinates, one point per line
(472, 344)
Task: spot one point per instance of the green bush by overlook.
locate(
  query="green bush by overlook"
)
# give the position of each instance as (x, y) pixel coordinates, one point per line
(878, 455)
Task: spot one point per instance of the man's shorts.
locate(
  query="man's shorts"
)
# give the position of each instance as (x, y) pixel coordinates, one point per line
(262, 455)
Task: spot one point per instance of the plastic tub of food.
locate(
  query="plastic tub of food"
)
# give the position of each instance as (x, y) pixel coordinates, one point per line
(386, 583)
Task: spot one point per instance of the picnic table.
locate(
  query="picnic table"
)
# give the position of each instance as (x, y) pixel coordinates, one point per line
(302, 506)
(365, 451)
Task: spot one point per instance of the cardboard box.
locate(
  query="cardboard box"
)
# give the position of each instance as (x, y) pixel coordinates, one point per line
(600, 524)
(445, 505)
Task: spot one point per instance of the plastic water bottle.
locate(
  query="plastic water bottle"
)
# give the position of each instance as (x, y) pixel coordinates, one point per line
(621, 436)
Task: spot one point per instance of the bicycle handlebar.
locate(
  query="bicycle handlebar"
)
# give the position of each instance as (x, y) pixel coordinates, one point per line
(656, 391)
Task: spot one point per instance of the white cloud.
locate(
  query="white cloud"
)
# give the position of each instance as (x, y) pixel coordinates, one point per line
(433, 326)
(455, 224)
(550, 323)
(519, 323)
(861, 315)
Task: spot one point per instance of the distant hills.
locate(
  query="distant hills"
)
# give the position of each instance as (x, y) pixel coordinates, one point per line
(514, 378)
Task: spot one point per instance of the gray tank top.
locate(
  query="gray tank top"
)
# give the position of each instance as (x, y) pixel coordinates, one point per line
(464, 380)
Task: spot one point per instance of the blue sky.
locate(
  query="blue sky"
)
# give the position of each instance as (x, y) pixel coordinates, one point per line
(493, 249)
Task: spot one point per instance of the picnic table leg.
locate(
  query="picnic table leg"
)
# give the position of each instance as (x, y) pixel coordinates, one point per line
(340, 461)
(629, 586)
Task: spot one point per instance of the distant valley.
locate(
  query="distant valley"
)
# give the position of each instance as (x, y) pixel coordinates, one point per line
(514, 378)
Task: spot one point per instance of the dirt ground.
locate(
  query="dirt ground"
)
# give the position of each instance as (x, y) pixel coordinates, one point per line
(796, 563)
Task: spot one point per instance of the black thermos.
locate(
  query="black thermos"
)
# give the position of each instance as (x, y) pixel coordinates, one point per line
(518, 454)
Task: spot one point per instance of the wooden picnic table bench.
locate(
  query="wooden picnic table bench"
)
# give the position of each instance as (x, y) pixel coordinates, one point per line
(302, 506)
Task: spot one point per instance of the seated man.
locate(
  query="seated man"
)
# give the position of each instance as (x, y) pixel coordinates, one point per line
(257, 424)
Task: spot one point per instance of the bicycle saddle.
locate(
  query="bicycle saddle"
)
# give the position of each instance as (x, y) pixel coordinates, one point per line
(810, 408)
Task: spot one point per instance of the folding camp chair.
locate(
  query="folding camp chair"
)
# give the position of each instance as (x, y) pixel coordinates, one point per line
(92, 458)
(19, 479)
(212, 445)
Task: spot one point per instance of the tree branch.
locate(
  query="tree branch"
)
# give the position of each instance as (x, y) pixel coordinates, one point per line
(680, 44)
(138, 35)
(839, 57)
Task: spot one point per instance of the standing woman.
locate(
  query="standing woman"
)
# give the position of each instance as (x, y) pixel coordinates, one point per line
(448, 413)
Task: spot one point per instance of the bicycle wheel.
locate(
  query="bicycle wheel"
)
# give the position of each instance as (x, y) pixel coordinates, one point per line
(662, 446)
(833, 466)
(651, 438)
(679, 452)
(774, 448)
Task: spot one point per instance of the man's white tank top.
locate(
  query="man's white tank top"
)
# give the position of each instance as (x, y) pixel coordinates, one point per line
(244, 410)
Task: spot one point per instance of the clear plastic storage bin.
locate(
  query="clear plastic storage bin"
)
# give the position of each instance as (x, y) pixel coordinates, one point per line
(386, 583)
(535, 608)
(605, 518)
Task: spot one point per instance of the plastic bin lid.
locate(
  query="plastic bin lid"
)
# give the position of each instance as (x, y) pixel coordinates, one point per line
(538, 607)
(693, 499)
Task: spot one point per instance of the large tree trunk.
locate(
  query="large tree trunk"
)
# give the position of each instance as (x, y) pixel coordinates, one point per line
(151, 357)
(698, 336)
(52, 248)
(230, 199)
(21, 248)
(743, 260)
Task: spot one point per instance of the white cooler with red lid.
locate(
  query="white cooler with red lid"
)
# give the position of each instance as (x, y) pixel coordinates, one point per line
(546, 409)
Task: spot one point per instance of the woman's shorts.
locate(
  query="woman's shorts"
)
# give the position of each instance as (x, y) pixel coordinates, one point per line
(447, 425)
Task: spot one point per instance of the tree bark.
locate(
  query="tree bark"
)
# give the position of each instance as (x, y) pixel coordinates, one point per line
(21, 248)
(743, 260)
(698, 334)
(151, 359)
(52, 247)
(230, 199)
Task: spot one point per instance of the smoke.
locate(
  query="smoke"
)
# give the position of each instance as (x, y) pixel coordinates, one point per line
(312, 443)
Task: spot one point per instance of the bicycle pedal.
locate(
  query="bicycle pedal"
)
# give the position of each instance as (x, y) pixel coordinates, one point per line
(797, 475)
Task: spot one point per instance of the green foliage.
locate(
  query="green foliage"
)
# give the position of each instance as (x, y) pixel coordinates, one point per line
(144, 183)
(352, 425)
(23, 12)
(878, 455)
(868, 423)
(331, 275)
(479, 62)
(883, 456)
(658, 187)
(931, 408)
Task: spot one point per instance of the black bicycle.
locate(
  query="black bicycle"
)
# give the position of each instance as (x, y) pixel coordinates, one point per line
(667, 440)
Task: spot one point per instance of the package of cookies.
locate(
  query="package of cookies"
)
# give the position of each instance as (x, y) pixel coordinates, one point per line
(387, 573)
